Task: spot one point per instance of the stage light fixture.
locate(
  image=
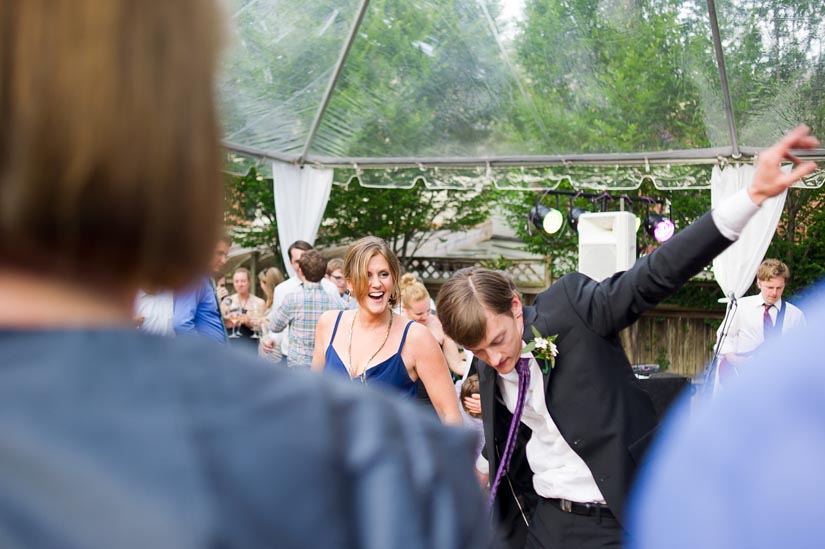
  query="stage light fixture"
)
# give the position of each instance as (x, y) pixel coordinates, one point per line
(659, 227)
(549, 220)
(573, 217)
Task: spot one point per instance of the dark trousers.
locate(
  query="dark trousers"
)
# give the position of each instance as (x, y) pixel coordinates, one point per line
(552, 528)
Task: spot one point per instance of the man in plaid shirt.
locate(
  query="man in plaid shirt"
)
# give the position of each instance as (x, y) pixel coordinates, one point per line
(301, 310)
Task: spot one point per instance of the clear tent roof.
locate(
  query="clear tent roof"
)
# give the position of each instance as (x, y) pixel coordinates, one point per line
(451, 91)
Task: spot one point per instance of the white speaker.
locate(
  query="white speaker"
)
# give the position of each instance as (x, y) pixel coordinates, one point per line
(607, 243)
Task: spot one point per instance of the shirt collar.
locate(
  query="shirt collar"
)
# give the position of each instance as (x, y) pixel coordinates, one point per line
(777, 305)
(512, 375)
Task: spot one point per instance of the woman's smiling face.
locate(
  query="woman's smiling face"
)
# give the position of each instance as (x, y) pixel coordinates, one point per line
(379, 285)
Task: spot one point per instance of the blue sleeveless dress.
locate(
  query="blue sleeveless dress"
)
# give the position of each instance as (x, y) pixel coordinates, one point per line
(389, 373)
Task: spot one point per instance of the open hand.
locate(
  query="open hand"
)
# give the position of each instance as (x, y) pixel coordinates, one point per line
(769, 180)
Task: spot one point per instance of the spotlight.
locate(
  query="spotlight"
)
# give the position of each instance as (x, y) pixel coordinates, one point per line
(659, 227)
(573, 217)
(547, 219)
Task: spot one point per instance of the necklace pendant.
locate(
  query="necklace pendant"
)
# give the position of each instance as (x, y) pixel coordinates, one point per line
(363, 378)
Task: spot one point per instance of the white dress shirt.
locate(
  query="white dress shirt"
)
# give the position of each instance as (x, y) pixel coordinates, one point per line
(157, 311)
(558, 471)
(746, 330)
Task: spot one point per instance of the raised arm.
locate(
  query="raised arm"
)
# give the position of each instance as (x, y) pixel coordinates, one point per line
(769, 180)
(617, 302)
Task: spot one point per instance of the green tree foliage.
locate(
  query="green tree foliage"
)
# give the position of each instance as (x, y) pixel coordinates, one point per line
(405, 218)
(250, 212)
(607, 77)
(423, 79)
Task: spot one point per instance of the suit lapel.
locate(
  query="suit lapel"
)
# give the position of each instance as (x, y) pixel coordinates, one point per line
(530, 318)
(487, 392)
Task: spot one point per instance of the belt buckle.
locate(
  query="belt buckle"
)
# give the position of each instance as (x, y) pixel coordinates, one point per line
(566, 505)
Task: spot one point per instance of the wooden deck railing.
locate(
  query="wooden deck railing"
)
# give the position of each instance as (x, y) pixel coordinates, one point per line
(530, 275)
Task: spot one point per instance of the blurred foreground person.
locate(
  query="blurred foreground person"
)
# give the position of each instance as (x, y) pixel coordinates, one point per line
(744, 470)
(109, 437)
(558, 368)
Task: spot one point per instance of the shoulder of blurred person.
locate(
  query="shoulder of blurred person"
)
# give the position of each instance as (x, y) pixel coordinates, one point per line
(233, 440)
(743, 470)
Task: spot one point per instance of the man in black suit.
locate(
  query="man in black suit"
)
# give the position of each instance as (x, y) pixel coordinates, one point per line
(587, 419)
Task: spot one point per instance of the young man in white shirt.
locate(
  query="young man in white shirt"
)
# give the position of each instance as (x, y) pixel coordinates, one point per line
(758, 318)
(564, 483)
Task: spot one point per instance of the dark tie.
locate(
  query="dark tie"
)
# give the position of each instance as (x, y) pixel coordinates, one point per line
(767, 323)
(523, 370)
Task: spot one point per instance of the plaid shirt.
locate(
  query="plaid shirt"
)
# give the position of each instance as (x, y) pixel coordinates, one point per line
(301, 310)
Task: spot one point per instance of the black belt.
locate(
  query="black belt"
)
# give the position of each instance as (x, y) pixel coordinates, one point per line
(587, 509)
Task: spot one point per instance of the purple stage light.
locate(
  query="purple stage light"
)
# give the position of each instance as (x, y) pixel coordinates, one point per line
(659, 227)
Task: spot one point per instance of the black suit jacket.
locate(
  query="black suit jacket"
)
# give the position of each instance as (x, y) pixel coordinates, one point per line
(592, 395)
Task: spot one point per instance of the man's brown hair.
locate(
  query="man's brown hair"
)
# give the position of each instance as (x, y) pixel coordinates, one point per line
(771, 268)
(462, 301)
(469, 388)
(314, 265)
(109, 137)
(245, 271)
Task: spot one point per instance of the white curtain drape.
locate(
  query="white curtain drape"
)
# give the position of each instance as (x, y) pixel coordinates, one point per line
(735, 268)
(301, 196)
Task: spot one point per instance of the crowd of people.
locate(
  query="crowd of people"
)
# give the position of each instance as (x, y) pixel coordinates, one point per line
(292, 420)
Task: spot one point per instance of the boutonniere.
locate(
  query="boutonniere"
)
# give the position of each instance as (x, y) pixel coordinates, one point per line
(544, 350)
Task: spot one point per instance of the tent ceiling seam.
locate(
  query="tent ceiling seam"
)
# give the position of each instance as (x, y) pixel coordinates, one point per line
(723, 77)
(685, 156)
(316, 123)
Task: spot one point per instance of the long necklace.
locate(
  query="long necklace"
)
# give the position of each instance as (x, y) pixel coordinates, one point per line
(350, 370)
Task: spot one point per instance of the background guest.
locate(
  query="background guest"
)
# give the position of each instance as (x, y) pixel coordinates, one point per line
(757, 318)
(301, 310)
(268, 279)
(156, 311)
(243, 310)
(196, 309)
(372, 347)
(295, 251)
(415, 306)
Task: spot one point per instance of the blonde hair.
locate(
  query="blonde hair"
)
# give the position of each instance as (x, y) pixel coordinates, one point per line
(771, 268)
(109, 133)
(270, 278)
(356, 263)
(464, 299)
(334, 264)
(412, 291)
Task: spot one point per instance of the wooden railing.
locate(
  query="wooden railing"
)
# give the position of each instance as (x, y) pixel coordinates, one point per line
(530, 275)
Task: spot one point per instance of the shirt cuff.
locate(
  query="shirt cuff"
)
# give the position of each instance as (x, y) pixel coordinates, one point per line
(731, 216)
(482, 466)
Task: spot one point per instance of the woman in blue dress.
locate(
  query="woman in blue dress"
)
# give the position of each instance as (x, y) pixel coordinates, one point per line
(373, 345)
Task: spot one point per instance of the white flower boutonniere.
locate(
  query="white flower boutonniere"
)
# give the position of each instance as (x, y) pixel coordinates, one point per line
(544, 349)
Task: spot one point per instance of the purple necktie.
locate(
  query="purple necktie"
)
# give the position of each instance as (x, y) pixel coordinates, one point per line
(767, 323)
(523, 370)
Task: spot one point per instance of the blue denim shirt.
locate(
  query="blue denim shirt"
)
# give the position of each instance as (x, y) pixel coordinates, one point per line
(197, 312)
